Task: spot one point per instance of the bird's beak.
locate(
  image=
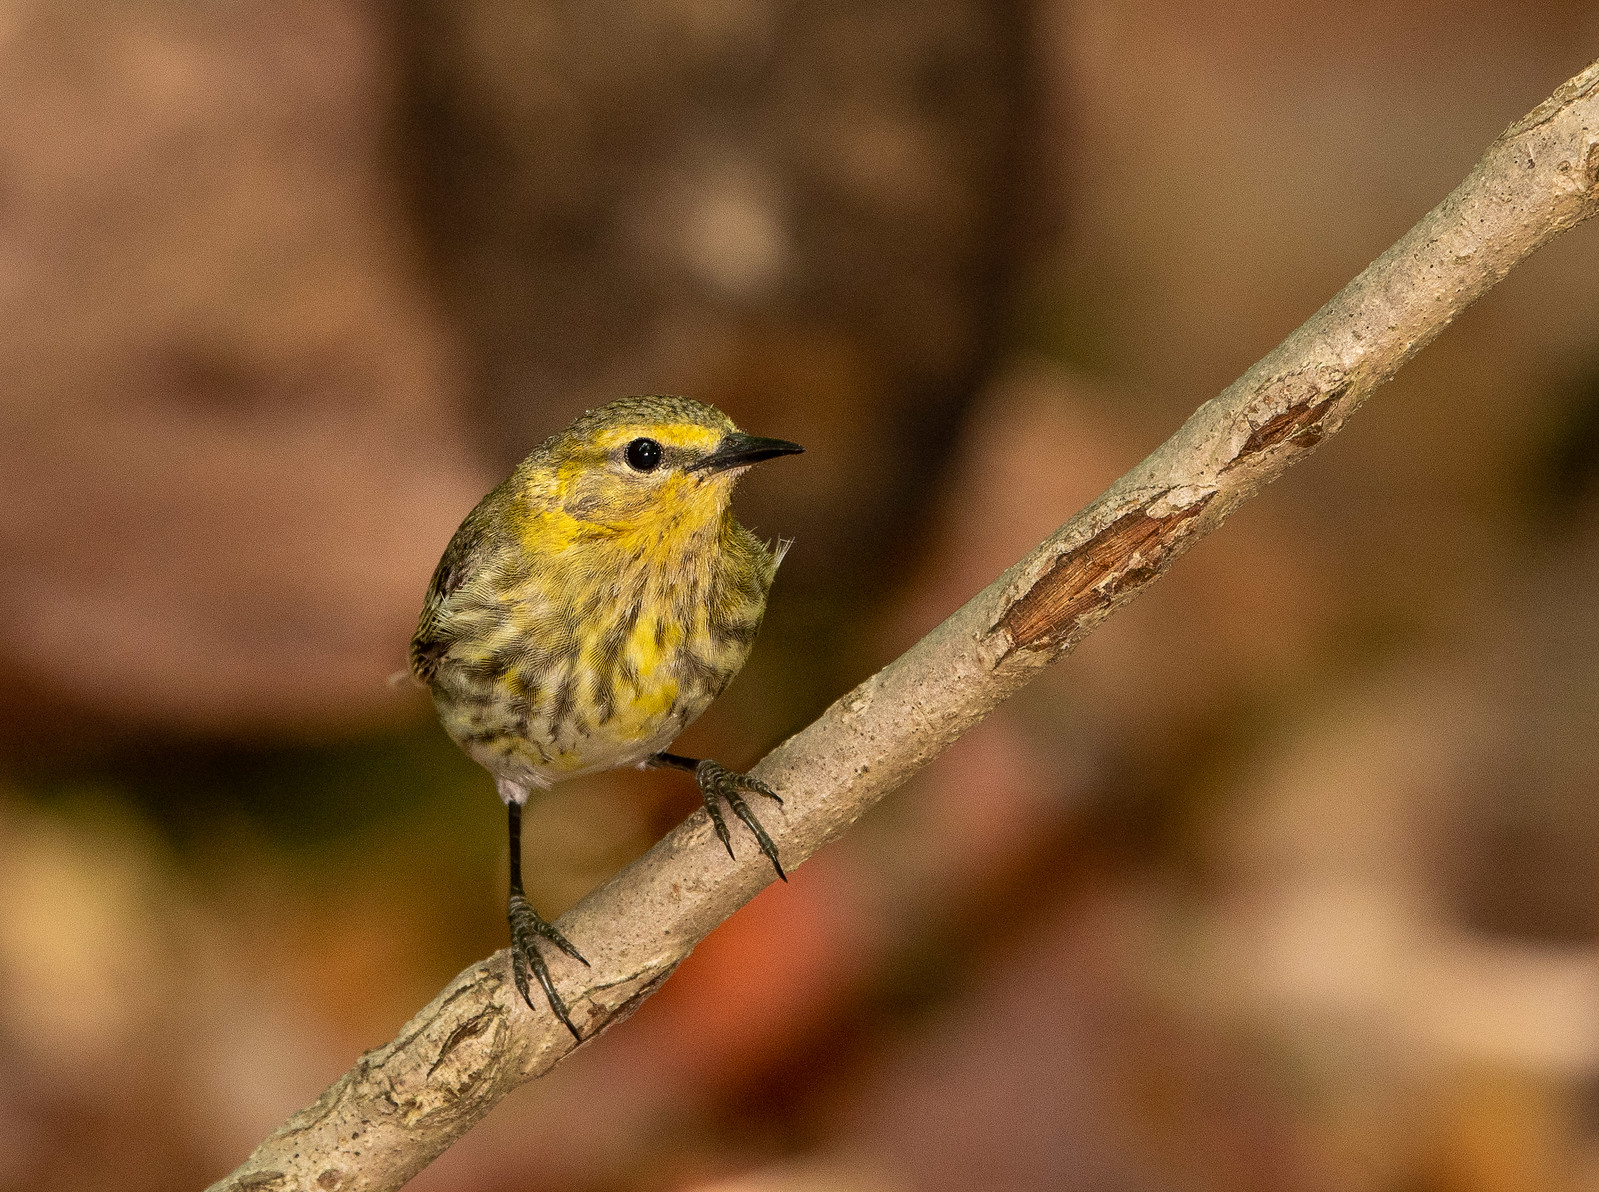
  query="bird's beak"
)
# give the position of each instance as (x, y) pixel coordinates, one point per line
(739, 450)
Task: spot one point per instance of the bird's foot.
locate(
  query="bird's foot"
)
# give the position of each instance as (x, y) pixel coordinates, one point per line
(526, 930)
(717, 785)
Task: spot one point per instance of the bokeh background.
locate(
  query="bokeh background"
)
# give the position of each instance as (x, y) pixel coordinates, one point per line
(1287, 880)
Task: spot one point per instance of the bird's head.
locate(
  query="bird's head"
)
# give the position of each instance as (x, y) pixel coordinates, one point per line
(648, 463)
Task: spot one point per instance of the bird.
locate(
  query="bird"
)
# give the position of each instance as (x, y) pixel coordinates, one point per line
(589, 609)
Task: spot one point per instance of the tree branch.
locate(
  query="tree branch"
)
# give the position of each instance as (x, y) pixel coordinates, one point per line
(404, 1103)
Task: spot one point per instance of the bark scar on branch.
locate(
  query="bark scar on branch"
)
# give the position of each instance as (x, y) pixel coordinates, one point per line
(470, 1029)
(1303, 424)
(1088, 578)
(1307, 401)
(1296, 409)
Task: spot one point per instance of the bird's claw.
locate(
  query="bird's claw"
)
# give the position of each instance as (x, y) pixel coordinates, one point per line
(717, 785)
(527, 928)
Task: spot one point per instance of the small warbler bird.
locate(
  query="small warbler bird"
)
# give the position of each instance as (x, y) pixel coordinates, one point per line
(589, 609)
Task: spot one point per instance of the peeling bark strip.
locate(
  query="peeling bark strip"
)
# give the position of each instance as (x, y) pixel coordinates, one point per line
(1125, 554)
(382, 1122)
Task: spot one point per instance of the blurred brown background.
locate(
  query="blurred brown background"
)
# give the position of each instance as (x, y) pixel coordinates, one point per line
(1289, 879)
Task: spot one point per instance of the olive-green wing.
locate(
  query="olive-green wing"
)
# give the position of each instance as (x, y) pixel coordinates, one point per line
(462, 559)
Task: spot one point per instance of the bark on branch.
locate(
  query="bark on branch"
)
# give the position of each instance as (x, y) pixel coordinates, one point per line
(404, 1103)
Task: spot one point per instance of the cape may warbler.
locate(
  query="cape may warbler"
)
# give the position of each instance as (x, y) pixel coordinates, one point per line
(591, 607)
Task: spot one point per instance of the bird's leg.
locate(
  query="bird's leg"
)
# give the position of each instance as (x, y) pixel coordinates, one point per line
(527, 928)
(717, 784)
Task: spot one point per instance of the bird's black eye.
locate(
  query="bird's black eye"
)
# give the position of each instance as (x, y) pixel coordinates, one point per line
(644, 455)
